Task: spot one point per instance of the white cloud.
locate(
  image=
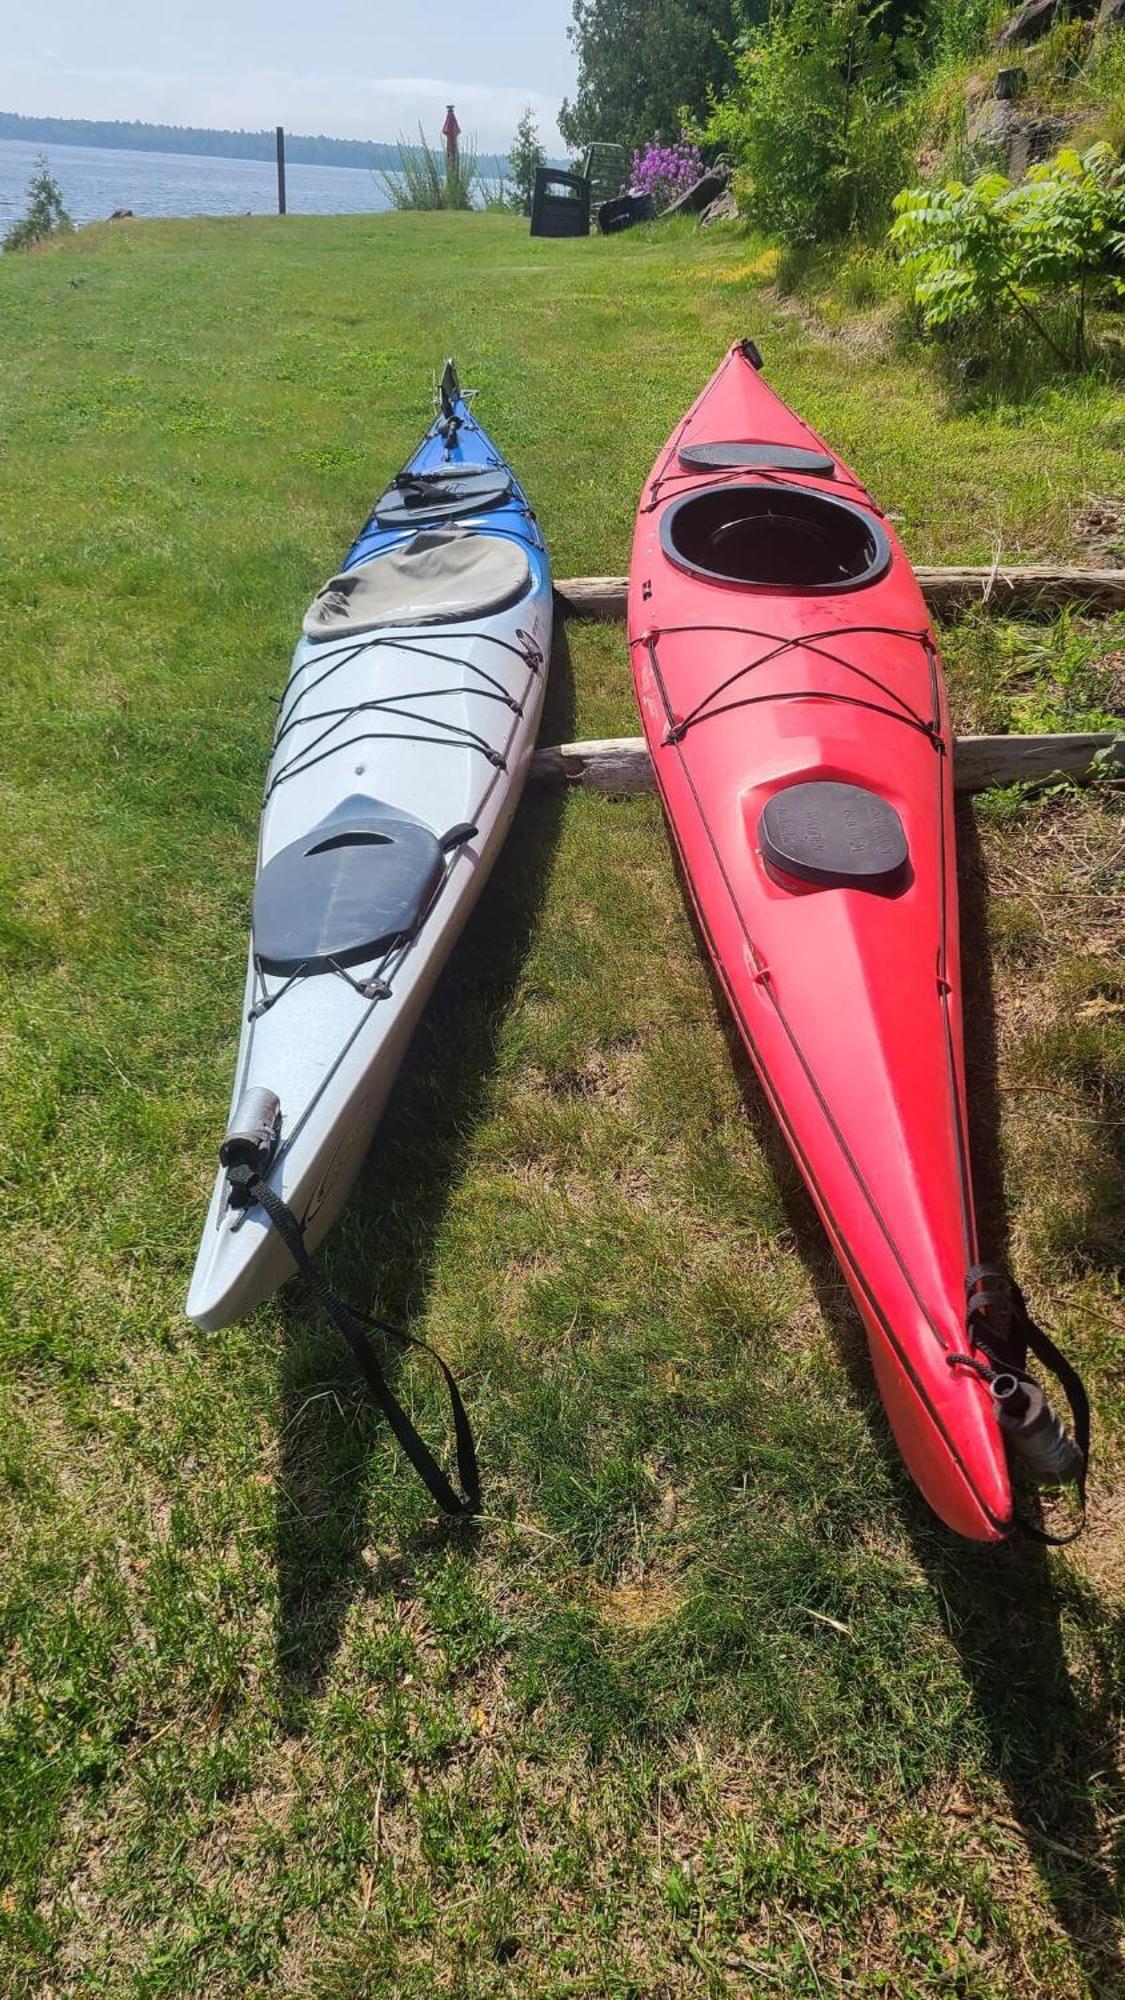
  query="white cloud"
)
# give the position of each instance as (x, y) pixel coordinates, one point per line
(342, 105)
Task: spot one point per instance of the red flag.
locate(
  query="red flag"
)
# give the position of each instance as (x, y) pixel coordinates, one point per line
(450, 130)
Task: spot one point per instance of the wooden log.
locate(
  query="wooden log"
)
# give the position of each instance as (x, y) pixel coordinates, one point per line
(1035, 587)
(621, 765)
(591, 596)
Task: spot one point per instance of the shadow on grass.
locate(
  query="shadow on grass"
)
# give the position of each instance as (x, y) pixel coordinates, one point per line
(382, 1252)
(1049, 1745)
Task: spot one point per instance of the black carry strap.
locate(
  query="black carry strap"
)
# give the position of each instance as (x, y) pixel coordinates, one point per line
(250, 1188)
(1002, 1329)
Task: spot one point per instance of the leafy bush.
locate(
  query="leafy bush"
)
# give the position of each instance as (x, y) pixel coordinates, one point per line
(981, 254)
(811, 123)
(665, 171)
(426, 180)
(45, 216)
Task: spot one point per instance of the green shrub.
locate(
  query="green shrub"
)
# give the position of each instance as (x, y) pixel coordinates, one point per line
(425, 179)
(811, 123)
(45, 216)
(981, 254)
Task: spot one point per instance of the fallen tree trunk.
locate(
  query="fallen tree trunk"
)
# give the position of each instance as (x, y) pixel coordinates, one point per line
(1039, 587)
(621, 764)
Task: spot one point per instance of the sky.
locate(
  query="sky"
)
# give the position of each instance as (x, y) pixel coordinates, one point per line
(355, 69)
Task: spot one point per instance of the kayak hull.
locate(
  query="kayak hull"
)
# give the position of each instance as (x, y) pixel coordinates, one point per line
(434, 722)
(762, 698)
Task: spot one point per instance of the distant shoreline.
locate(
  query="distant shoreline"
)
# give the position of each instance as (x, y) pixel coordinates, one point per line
(302, 148)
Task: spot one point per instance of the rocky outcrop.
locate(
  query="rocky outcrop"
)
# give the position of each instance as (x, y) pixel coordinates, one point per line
(723, 209)
(1028, 23)
(1012, 82)
(1032, 21)
(998, 131)
(701, 194)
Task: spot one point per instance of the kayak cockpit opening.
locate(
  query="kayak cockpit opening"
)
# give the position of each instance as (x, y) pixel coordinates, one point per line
(774, 537)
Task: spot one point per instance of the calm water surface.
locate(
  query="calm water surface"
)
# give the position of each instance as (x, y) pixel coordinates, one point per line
(96, 179)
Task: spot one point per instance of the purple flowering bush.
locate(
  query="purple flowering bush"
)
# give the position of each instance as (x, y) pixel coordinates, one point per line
(665, 171)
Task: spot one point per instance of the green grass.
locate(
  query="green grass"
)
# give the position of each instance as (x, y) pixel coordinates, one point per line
(708, 1705)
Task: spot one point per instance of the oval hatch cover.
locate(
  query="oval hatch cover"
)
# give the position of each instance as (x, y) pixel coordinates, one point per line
(840, 835)
(755, 457)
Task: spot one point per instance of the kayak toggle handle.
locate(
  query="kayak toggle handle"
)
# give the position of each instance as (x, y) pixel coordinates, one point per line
(250, 1141)
(1035, 1433)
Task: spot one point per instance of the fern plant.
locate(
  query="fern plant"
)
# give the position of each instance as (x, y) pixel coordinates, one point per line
(1039, 250)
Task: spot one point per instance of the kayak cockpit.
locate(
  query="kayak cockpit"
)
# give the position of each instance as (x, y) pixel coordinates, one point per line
(774, 537)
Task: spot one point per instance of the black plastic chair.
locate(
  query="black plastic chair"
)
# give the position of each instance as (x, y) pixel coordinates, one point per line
(560, 204)
(624, 212)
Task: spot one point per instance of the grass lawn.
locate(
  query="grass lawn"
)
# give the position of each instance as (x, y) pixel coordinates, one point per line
(709, 1704)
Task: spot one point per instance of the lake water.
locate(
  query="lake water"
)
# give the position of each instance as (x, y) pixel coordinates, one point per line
(97, 179)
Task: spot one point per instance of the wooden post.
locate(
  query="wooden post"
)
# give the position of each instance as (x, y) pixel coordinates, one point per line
(281, 170)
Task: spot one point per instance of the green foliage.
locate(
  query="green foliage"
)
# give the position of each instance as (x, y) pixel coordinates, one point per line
(811, 122)
(524, 161)
(45, 216)
(426, 180)
(981, 254)
(643, 64)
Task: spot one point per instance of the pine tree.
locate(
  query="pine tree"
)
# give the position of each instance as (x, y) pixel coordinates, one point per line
(524, 160)
(45, 213)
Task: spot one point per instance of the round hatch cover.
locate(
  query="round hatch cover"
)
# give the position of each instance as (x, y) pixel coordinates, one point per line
(759, 457)
(840, 835)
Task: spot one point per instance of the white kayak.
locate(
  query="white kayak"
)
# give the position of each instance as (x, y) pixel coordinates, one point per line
(403, 741)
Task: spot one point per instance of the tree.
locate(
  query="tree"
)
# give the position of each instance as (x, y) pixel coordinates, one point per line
(45, 216)
(525, 160)
(643, 63)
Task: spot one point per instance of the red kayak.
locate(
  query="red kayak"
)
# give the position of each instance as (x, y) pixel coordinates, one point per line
(791, 695)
